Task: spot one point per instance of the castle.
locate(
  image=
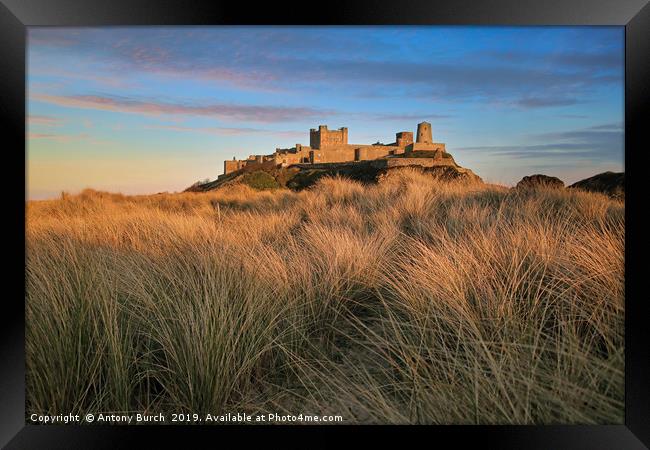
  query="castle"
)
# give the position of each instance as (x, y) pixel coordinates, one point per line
(331, 146)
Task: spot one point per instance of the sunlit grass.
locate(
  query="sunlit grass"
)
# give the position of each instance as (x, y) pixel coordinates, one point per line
(410, 301)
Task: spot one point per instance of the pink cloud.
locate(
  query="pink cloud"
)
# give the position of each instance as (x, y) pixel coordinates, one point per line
(255, 113)
(225, 131)
(44, 120)
(66, 137)
(40, 136)
(56, 137)
(116, 80)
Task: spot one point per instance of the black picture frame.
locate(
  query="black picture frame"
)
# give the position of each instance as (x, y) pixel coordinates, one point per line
(16, 15)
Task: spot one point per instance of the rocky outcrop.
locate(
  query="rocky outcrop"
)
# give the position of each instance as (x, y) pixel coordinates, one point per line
(608, 183)
(302, 176)
(453, 173)
(539, 180)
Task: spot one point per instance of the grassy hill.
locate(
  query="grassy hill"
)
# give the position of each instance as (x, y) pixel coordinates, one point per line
(406, 300)
(304, 176)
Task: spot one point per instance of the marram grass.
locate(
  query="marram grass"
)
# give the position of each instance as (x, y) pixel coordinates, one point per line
(410, 301)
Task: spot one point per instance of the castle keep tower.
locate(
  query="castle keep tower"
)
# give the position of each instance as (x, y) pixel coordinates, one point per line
(323, 137)
(424, 133)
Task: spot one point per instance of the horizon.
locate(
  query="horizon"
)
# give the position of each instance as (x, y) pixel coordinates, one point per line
(142, 110)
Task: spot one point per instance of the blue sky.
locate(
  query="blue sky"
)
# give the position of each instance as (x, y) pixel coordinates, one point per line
(150, 109)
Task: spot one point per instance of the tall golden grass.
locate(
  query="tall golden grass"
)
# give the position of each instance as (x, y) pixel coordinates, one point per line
(409, 301)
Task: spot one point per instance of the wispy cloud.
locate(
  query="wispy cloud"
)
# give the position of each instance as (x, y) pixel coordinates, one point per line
(608, 127)
(47, 121)
(70, 77)
(226, 131)
(588, 59)
(574, 116)
(606, 133)
(597, 144)
(414, 116)
(57, 137)
(231, 112)
(66, 138)
(544, 102)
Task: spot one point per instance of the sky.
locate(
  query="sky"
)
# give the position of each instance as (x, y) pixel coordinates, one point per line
(143, 110)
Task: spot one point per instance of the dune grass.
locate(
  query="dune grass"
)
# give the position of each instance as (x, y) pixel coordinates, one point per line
(409, 301)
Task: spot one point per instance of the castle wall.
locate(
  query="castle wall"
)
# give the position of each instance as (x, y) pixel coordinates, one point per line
(339, 153)
(232, 166)
(353, 152)
(404, 162)
(417, 146)
(288, 158)
(385, 163)
(377, 151)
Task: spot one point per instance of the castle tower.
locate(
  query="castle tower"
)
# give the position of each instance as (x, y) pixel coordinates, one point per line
(322, 137)
(424, 133)
(403, 138)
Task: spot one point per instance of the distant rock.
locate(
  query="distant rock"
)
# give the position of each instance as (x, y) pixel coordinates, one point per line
(539, 180)
(608, 183)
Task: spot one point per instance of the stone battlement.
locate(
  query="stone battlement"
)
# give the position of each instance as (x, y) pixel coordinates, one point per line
(331, 146)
